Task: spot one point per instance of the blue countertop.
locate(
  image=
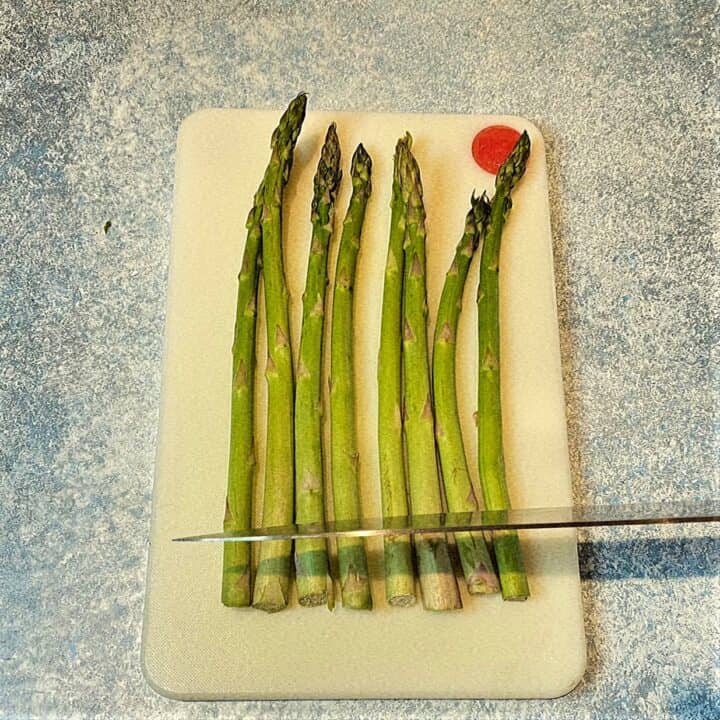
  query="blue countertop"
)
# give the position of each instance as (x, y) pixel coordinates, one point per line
(91, 97)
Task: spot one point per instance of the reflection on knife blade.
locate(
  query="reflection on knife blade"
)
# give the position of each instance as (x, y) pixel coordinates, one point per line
(520, 519)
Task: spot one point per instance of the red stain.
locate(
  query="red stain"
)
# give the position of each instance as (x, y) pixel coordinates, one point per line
(492, 145)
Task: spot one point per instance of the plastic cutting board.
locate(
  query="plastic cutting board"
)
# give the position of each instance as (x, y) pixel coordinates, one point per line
(193, 647)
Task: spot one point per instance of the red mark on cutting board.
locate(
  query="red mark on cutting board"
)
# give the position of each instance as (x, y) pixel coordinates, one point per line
(492, 145)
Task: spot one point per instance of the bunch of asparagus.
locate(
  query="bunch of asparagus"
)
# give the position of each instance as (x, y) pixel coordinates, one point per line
(294, 424)
(418, 421)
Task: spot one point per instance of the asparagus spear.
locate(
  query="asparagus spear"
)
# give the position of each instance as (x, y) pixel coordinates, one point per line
(273, 573)
(399, 576)
(437, 580)
(241, 465)
(311, 558)
(352, 561)
(474, 555)
(513, 579)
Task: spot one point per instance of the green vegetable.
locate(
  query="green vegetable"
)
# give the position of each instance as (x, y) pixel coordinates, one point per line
(241, 465)
(437, 579)
(273, 574)
(311, 557)
(508, 555)
(399, 576)
(474, 554)
(352, 560)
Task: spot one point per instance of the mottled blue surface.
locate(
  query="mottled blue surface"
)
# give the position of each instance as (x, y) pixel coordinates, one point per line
(91, 96)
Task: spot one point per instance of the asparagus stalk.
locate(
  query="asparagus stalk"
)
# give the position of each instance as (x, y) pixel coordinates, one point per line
(474, 554)
(241, 465)
(437, 579)
(399, 576)
(352, 560)
(311, 558)
(273, 574)
(513, 579)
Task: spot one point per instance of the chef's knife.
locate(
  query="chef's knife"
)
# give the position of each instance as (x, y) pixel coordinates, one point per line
(519, 519)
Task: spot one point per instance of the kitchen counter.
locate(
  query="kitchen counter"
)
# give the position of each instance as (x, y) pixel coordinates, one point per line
(90, 103)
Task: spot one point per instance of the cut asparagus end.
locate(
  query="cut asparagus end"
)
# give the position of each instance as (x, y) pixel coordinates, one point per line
(401, 597)
(399, 576)
(437, 577)
(236, 575)
(477, 564)
(354, 580)
(311, 572)
(272, 583)
(511, 567)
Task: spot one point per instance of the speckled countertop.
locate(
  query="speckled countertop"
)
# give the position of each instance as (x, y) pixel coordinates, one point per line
(91, 96)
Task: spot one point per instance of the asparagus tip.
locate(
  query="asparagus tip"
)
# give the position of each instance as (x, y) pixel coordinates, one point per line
(360, 157)
(328, 174)
(514, 167)
(286, 133)
(481, 213)
(361, 169)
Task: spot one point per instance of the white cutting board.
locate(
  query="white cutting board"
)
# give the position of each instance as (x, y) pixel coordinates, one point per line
(193, 647)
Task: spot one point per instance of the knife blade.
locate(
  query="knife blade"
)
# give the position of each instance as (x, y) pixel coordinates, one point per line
(517, 519)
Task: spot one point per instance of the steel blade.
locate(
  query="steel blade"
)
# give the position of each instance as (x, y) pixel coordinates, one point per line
(518, 519)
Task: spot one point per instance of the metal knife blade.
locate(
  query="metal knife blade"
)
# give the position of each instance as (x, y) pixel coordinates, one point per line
(519, 519)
